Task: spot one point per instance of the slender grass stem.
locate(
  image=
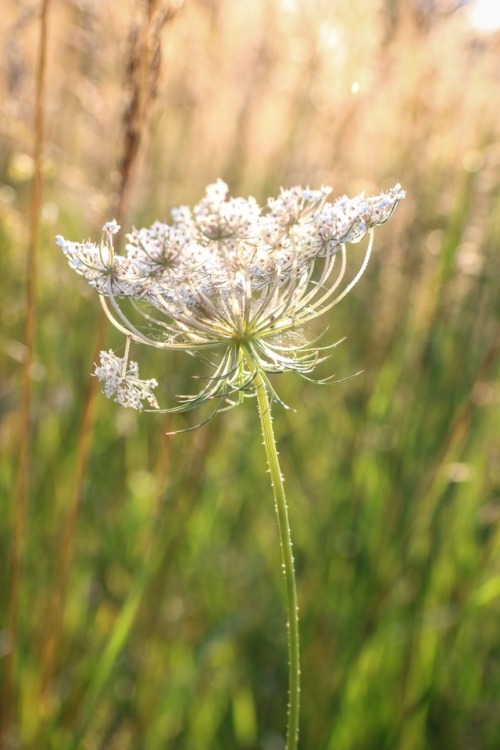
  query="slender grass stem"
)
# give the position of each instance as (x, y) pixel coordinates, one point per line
(7, 688)
(142, 80)
(288, 564)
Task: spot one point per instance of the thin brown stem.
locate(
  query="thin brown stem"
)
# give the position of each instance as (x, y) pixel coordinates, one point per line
(25, 438)
(142, 75)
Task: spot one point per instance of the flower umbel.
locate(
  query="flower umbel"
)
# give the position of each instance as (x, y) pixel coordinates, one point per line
(121, 380)
(238, 283)
(230, 278)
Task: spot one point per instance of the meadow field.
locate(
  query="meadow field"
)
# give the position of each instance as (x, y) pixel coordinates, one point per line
(141, 595)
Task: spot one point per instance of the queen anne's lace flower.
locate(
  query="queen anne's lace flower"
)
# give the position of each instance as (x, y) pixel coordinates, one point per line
(121, 380)
(230, 277)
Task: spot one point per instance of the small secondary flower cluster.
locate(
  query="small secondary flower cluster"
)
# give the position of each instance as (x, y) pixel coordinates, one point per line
(230, 276)
(121, 380)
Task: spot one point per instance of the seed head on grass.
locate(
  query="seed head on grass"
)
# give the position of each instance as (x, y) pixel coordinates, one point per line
(230, 280)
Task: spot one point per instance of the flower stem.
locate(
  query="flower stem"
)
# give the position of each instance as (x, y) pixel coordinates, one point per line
(288, 564)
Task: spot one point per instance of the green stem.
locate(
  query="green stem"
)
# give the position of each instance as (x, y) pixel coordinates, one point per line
(287, 555)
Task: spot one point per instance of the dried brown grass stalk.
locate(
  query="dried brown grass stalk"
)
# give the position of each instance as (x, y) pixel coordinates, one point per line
(142, 76)
(20, 504)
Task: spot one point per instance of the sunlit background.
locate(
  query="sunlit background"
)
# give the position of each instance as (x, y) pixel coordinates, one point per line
(140, 583)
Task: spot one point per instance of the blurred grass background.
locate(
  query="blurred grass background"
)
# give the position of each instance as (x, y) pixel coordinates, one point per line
(150, 609)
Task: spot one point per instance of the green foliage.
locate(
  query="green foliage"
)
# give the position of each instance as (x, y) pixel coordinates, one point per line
(168, 630)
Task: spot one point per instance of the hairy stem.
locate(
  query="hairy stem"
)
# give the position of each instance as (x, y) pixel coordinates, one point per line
(287, 556)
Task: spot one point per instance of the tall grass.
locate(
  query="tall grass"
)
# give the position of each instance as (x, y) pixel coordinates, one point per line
(170, 629)
(20, 496)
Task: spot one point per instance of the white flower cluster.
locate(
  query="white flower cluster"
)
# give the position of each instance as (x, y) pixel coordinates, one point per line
(232, 276)
(121, 380)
